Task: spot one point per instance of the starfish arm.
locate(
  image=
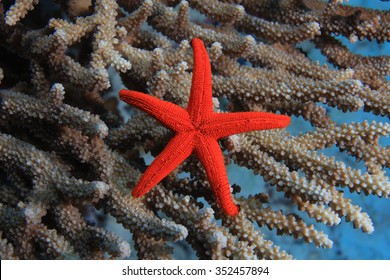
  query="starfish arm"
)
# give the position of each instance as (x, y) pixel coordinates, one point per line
(200, 103)
(177, 150)
(224, 124)
(171, 115)
(210, 155)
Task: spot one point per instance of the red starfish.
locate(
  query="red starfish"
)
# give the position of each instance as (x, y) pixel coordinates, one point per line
(197, 129)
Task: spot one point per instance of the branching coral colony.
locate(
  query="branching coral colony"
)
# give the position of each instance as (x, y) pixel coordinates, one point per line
(65, 150)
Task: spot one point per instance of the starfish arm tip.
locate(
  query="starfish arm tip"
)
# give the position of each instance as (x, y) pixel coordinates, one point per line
(286, 121)
(196, 40)
(124, 95)
(278, 121)
(122, 92)
(136, 193)
(232, 211)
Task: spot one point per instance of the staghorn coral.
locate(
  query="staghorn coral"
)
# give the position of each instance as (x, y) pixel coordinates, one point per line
(68, 157)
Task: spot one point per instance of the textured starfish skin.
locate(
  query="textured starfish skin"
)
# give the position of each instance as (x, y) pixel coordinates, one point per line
(197, 130)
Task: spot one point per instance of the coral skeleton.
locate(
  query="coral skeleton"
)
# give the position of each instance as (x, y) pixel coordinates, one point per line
(71, 152)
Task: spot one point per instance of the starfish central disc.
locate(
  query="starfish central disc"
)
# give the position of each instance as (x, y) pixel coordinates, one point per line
(197, 130)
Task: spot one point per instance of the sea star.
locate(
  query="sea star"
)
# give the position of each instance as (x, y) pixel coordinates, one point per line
(197, 130)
